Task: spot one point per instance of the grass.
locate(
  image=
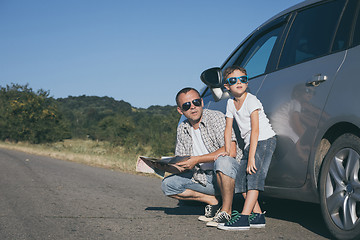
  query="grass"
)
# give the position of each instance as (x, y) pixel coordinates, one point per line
(93, 153)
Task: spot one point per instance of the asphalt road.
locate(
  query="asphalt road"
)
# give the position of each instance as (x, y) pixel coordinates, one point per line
(44, 198)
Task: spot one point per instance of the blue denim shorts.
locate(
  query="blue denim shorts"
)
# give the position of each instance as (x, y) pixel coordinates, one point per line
(178, 183)
(263, 156)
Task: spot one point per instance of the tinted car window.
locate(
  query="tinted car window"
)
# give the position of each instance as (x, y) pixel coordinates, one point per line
(341, 41)
(256, 52)
(312, 33)
(357, 29)
(257, 57)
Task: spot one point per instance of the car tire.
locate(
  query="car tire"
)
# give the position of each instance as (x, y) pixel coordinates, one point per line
(340, 187)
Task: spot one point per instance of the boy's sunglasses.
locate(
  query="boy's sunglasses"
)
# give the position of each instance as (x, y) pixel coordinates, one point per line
(186, 106)
(233, 80)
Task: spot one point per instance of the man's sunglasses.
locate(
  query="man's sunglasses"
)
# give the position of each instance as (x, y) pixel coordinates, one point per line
(233, 80)
(186, 106)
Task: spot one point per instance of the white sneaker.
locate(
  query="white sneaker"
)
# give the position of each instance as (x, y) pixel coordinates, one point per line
(221, 217)
(205, 219)
(210, 212)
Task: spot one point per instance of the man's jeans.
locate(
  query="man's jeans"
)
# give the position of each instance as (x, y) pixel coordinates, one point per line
(178, 183)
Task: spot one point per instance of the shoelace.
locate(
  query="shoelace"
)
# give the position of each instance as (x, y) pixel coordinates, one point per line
(235, 215)
(252, 216)
(217, 211)
(220, 216)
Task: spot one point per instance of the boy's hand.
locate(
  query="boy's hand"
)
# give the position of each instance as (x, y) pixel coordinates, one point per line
(221, 154)
(188, 164)
(251, 168)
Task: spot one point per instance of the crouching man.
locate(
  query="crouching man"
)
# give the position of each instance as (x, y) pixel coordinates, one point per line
(201, 136)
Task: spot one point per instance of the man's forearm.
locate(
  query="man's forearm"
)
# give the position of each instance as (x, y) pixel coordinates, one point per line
(210, 156)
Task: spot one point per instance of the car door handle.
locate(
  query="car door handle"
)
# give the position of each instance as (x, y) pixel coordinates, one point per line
(317, 79)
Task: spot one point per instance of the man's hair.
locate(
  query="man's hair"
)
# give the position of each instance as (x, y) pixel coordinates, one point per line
(185, 90)
(231, 69)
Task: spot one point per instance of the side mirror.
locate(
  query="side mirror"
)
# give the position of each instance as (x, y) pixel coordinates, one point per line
(212, 77)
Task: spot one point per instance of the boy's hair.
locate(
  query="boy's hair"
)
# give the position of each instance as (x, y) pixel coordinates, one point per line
(231, 69)
(185, 90)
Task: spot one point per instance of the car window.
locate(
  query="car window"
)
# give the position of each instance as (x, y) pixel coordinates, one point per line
(356, 40)
(343, 34)
(311, 33)
(256, 52)
(257, 57)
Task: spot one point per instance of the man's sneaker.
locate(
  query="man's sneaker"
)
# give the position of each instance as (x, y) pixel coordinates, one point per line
(237, 222)
(210, 212)
(220, 217)
(257, 220)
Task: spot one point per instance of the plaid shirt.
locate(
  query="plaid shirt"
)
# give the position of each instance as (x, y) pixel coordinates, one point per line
(212, 127)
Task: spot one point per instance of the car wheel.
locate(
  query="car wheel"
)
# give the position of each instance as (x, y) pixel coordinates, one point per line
(340, 187)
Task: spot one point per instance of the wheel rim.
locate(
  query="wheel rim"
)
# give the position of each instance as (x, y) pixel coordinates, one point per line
(342, 189)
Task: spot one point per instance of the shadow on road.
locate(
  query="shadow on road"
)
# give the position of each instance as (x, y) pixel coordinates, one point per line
(308, 215)
(183, 208)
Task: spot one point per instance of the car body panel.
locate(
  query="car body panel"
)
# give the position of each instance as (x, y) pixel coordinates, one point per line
(281, 89)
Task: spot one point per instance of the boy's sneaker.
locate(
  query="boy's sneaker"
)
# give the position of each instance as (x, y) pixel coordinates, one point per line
(257, 220)
(237, 222)
(221, 217)
(210, 212)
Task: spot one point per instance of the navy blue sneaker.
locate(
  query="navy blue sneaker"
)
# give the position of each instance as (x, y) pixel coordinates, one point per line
(257, 220)
(237, 222)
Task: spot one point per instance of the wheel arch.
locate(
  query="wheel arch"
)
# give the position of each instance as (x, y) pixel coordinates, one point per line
(326, 141)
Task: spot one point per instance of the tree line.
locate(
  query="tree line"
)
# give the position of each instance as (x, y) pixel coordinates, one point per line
(35, 117)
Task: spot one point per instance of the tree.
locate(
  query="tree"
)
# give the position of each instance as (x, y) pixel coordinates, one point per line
(30, 116)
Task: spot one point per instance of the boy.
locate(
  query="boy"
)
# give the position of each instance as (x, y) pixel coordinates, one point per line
(260, 142)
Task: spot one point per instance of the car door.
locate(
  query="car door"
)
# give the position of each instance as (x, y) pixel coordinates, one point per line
(294, 95)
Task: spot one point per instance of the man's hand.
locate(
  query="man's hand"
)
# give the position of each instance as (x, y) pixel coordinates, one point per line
(251, 168)
(188, 164)
(171, 168)
(221, 154)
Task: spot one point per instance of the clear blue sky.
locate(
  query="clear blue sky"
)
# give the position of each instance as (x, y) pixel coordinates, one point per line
(138, 51)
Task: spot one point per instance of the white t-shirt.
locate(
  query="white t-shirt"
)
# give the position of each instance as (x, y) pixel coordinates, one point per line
(243, 120)
(199, 148)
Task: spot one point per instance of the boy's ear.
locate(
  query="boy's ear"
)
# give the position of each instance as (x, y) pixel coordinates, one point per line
(226, 85)
(179, 110)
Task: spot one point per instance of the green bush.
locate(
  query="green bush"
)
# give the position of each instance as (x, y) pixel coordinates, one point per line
(35, 117)
(30, 116)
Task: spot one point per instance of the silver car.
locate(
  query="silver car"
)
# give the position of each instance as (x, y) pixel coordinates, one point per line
(304, 66)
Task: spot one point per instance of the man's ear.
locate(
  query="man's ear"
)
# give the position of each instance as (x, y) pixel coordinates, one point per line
(202, 102)
(179, 110)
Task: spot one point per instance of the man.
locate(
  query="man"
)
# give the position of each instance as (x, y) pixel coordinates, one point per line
(201, 136)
